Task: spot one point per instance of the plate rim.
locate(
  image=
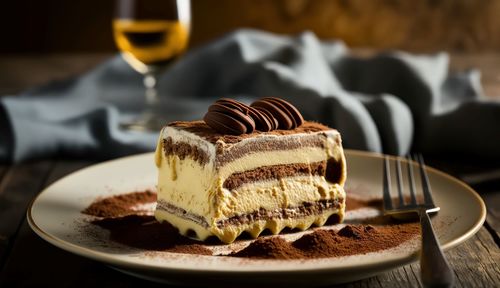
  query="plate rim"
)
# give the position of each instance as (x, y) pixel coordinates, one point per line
(109, 260)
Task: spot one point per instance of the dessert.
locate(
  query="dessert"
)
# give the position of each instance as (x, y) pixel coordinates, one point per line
(247, 169)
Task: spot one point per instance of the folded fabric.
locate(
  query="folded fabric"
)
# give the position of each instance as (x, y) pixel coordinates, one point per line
(391, 103)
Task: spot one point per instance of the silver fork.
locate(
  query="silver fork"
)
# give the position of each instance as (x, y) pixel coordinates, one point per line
(435, 270)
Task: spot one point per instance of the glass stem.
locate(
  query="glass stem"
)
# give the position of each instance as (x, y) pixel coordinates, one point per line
(151, 91)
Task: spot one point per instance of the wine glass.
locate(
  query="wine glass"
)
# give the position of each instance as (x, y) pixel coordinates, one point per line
(151, 34)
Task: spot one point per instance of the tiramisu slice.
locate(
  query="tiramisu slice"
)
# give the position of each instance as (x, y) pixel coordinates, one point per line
(247, 169)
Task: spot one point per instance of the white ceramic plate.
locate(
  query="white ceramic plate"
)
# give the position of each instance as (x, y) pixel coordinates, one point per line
(55, 216)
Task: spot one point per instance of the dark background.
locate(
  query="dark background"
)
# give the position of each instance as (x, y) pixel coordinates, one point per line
(55, 26)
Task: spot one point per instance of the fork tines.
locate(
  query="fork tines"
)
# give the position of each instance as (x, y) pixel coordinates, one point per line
(387, 183)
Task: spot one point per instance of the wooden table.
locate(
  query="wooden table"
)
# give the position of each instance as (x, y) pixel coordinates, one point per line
(28, 261)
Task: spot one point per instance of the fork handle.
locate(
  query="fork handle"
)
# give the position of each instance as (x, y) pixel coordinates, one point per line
(436, 271)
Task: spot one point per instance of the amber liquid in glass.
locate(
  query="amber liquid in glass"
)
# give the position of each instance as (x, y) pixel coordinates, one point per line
(150, 43)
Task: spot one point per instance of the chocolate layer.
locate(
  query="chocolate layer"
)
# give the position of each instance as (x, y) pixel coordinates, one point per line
(204, 131)
(304, 210)
(178, 211)
(184, 150)
(274, 172)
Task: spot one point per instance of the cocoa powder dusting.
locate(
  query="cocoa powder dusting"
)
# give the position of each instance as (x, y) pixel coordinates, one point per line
(119, 205)
(350, 240)
(117, 215)
(269, 248)
(145, 232)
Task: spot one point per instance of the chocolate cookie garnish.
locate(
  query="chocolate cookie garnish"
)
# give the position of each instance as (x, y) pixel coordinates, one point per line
(228, 116)
(234, 104)
(224, 124)
(269, 117)
(279, 112)
(262, 121)
(292, 111)
(239, 111)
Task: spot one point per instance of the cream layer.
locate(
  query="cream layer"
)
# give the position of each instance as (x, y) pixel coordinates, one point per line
(270, 194)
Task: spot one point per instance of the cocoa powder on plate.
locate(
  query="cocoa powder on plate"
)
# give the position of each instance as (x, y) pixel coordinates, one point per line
(128, 227)
(131, 227)
(350, 240)
(119, 205)
(144, 232)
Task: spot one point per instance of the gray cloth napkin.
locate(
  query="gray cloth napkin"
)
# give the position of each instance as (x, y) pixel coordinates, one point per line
(390, 103)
